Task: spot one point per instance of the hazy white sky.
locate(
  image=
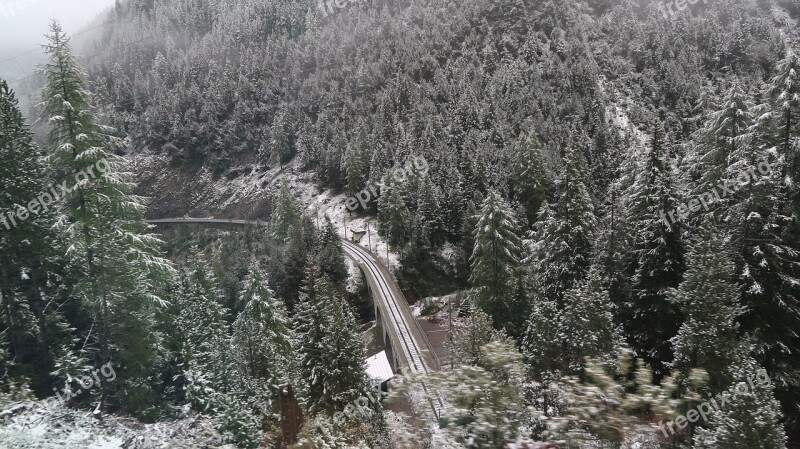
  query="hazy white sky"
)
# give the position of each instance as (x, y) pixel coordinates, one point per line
(24, 22)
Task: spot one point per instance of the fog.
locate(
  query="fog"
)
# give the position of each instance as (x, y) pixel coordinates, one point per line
(24, 22)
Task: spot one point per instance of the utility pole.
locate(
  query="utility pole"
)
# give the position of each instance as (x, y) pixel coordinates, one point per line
(369, 239)
(450, 326)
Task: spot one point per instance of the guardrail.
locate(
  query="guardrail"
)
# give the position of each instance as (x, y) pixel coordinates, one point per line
(421, 330)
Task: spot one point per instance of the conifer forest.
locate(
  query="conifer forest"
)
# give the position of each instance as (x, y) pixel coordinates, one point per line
(400, 224)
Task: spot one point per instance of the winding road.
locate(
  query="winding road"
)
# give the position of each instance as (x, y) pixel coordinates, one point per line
(409, 343)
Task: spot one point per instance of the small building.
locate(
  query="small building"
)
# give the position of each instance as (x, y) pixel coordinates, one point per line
(379, 371)
(357, 236)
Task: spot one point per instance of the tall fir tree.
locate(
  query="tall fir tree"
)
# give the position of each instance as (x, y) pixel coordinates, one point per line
(563, 237)
(331, 353)
(356, 162)
(118, 264)
(767, 259)
(495, 258)
(261, 345)
(29, 249)
(196, 337)
(393, 214)
(656, 260)
(558, 342)
(750, 417)
(710, 301)
(529, 182)
(783, 92)
(285, 215)
(330, 255)
(727, 128)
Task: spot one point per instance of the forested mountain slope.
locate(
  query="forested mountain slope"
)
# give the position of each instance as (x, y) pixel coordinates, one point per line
(614, 109)
(610, 190)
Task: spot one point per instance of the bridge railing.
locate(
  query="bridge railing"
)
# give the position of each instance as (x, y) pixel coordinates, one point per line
(422, 332)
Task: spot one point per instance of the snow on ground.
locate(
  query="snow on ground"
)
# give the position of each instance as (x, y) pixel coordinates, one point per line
(235, 198)
(319, 203)
(616, 111)
(29, 425)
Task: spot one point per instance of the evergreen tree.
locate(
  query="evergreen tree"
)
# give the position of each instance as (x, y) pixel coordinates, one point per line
(542, 344)
(197, 337)
(28, 245)
(495, 257)
(118, 262)
(356, 163)
(485, 408)
(529, 182)
(330, 255)
(464, 343)
(750, 417)
(725, 130)
(285, 215)
(301, 242)
(709, 299)
(767, 260)
(656, 259)
(261, 345)
(558, 342)
(330, 351)
(393, 214)
(784, 93)
(563, 237)
(587, 325)
(280, 139)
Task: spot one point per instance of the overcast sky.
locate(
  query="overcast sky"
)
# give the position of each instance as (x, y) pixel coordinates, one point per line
(24, 22)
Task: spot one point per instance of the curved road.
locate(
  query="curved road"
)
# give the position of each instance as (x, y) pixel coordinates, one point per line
(405, 333)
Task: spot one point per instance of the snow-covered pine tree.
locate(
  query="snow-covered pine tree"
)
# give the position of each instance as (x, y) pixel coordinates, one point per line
(356, 162)
(767, 257)
(281, 141)
(463, 345)
(392, 212)
(495, 258)
(486, 407)
(28, 251)
(656, 259)
(587, 326)
(302, 240)
(748, 415)
(784, 94)
(118, 262)
(285, 215)
(726, 129)
(330, 255)
(422, 196)
(529, 180)
(452, 206)
(330, 350)
(261, 345)
(563, 236)
(558, 342)
(197, 337)
(710, 302)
